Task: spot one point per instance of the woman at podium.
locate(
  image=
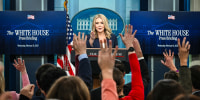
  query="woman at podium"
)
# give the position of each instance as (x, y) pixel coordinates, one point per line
(100, 31)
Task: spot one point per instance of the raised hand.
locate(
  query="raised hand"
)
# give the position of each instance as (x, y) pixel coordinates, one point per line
(92, 35)
(169, 60)
(106, 60)
(20, 65)
(92, 38)
(28, 91)
(79, 43)
(183, 51)
(128, 36)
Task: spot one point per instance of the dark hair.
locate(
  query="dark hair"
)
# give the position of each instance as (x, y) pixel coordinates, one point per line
(49, 77)
(195, 76)
(171, 75)
(166, 89)
(119, 65)
(41, 70)
(117, 77)
(69, 88)
(187, 97)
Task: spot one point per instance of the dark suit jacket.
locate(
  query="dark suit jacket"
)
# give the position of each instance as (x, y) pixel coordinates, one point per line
(144, 72)
(42, 97)
(85, 72)
(185, 79)
(96, 43)
(197, 93)
(96, 93)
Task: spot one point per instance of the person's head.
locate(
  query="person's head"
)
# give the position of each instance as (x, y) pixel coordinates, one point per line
(100, 25)
(195, 76)
(187, 97)
(2, 81)
(119, 64)
(118, 78)
(171, 75)
(41, 71)
(166, 89)
(69, 88)
(49, 77)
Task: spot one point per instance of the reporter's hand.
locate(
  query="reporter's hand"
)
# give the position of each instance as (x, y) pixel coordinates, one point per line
(128, 37)
(20, 65)
(183, 51)
(28, 91)
(79, 43)
(106, 60)
(169, 60)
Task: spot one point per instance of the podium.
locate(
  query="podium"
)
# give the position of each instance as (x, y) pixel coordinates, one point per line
(92, 53)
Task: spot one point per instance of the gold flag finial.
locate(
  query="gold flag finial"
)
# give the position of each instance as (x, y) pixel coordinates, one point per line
(65, 4)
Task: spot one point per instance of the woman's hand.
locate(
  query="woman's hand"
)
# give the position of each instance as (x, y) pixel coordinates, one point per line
(92, 37)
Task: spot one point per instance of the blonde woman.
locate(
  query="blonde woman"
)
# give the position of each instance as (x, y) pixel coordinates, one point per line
(100, 31)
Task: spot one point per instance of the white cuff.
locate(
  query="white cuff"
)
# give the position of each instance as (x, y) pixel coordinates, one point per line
(140, 58)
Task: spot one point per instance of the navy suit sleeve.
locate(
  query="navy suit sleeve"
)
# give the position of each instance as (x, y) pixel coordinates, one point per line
(185, 79)
(144, 72)
(23, 97)
(87, 42)
(96, 94)
(85, 72)
(114, 40)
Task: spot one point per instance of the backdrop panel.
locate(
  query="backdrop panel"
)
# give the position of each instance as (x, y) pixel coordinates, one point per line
(158, 31)
(35, 32)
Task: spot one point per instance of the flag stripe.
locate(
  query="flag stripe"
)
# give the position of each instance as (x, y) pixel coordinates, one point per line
(64, 61)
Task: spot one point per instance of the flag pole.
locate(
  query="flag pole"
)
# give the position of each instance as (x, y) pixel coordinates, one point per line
(66, 64)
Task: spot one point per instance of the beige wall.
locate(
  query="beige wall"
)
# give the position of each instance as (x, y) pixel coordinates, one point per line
(1, 5)
(194, 5)
(31, 5)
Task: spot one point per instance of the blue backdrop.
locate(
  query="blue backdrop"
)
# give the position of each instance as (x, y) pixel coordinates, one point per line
(35, 32)
(158, 31)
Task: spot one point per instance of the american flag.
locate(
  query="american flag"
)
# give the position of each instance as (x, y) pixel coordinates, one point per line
(64, 61)
(171, 17)
(30, 17)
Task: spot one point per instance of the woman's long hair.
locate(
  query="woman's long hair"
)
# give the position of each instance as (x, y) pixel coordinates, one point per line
(69, 88)
(2, 80)
(107, 29)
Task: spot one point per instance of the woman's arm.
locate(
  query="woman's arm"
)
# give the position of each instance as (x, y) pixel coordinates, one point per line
(20, 65)
(114, 39)
(90, 40)
(184, 72)
(137, 87)
(106, 63)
